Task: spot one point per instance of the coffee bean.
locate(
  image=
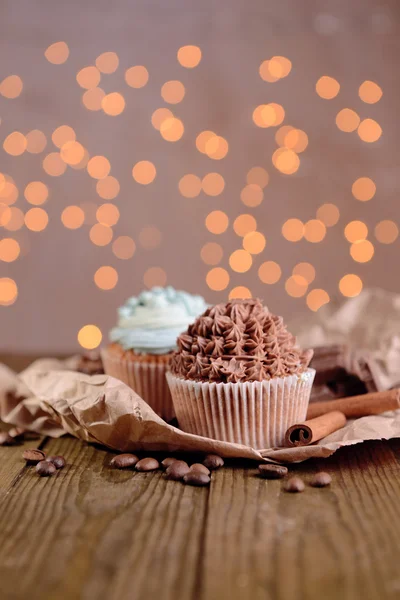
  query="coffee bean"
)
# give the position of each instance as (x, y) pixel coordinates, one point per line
(213, 462)
(177, 470)
(294, 485)
(196, 478)
(123, 461)
(6, 439)
(17, 433)
(272, 471)
(33, 455)
(45, 468)
(167, 462)
(147, 464)
(199, 468)
(321, 479)
(58, 461)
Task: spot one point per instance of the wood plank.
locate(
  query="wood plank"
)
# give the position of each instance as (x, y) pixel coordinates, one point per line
(94, 532)
(12, 464)
(339, 542)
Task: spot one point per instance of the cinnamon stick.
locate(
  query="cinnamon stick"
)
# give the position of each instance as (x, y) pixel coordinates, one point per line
(312, 430)
(374, 403)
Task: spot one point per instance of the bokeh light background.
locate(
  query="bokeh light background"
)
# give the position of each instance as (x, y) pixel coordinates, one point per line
(226, 148)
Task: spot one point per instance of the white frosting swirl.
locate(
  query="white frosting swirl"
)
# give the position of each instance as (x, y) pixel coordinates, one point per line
(151, 322)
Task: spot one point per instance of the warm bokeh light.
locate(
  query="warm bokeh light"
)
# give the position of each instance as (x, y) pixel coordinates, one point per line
(98, 167)
(137, 76)
(329, 214)
(9, 249)
(172, 129)
(62, 135)
(190, 185)
(269, 272)
(257, 176)
(355, 231)
(13, 219)
(305, 270)
(317, 298)
(189, 56)
(93, 98)
(159, 116)
(217, 222)
(72, 153)
(36, 192)
(252, 195)
(254, 242)
(11, 87)
(281, 134)
(216, 147)
(144, 172)
(173, 92)
(314, 231)
(244, 224)
(362, 251)
(211, 253)
(15, 143)
(213, 184)
(240, 261)
(155, 276)
(90, 337)
(350, 285)
(370, 92)
(217, 279)
(386, 232)
(202, 140)
(347, 120)
(241, 292)
(265, 73)
(327, 87)
(124, 247)
(57, 53)
(150, 237)
(108, 187)
(107, 62)
(268, 115)
(35, 141)
(8, 291)
(369, 131)
(363, 189)
(82, 164)
(88, 77)
(275, 68)
(8, 192)
(286, 161)
(100, 234)
(293, 230)
(36, 219)
(72, 217)
(54, 165)
(113, 104)
(108, 214)
(296, 286)
(296, 139)
(106, 278)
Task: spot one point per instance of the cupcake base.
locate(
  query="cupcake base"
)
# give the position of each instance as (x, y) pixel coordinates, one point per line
(145, 374)
(253, 413)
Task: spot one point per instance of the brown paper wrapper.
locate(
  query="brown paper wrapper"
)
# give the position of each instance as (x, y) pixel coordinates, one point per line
(253, 413)
(146, 378)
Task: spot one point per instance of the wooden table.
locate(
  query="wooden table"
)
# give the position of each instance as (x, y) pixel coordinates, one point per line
(92, 532)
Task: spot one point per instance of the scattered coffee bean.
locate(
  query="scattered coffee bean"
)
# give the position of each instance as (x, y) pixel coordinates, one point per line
(33, 455)
(196, 478)
(321, 479)
(45, 468)
(199, 468)
(147, 464)
(272, 471)
(167, 462)
(123, 461)
(6, 439)
(17, 433)
(58, 461)
(294, 485)
(213, 462)
(177, 470)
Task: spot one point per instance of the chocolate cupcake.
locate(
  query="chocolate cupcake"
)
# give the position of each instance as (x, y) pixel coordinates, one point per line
(238, 376)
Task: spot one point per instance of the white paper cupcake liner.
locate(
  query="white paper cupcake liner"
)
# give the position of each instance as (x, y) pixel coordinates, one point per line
(253, 413)
(146, 378)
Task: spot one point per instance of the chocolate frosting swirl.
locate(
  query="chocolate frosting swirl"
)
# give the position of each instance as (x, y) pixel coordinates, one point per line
(236, 342)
